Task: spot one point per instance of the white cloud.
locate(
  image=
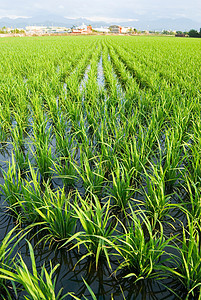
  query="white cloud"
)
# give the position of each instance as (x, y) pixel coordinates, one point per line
(105, 19)
(13, 17)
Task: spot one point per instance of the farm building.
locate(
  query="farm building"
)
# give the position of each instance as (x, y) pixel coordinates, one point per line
(115, 29)
(83, 29)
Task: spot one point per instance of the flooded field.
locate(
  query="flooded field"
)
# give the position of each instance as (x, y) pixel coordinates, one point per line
(100, 168)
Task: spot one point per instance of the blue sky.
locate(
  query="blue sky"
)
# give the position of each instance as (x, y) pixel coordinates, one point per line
(104, 10)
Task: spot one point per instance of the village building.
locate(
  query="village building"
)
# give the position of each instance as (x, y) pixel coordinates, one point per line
(83, 29)
(115, 29)
(101, 29)
(45, 29)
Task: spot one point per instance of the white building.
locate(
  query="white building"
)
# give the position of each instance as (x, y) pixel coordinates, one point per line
(126, 29)
(46, 29)
(102, 29)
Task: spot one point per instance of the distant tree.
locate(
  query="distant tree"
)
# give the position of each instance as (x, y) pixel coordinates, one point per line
(193, 33)
(3, 29)
(17, 31)
(179, 32)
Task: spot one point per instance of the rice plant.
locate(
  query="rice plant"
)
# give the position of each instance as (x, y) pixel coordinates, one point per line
(21, 156)
(57, 217)
(185, 268)
(92, 173)
(37, 285)
(157, 203)
(143, 251)
(43, 152)
(97, 229)
(121, 191)
(12, 187)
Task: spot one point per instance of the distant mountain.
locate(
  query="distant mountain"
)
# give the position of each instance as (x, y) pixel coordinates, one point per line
(160, 24)
(143, 23)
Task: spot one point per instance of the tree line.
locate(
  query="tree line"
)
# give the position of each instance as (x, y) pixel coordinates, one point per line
(194, 33)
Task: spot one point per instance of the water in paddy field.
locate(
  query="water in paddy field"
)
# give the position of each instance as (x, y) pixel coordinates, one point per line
(100, 76)
(85, 78)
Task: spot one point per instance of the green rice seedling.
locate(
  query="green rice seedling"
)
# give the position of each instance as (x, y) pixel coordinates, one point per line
(18, 144)
(64, 142)
(3, 134)
(186, 268)
(98, 230)
(90, 291)
(7, 246)
(193, 152)
(52, 109)
(21, 158)
(21, 115)
(38, 112)
(104, 147)
(136, 152)
(93, 114)
(191, 205)
(121, 191)
(135, 155)
(156, 202)
(37, 285)
(12, 187)
(43, 153)
(6, 116)
(24, 195)
(66, 171)
(181, 119)
(57, 216)
(142, 249)
(75, 112)
(33, 191)
(172, 159)
(92, 174)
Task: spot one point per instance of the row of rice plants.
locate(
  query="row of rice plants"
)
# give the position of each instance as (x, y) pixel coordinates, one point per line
(162, 56)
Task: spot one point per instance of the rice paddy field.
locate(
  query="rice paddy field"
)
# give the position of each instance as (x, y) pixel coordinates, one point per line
(100, 168)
